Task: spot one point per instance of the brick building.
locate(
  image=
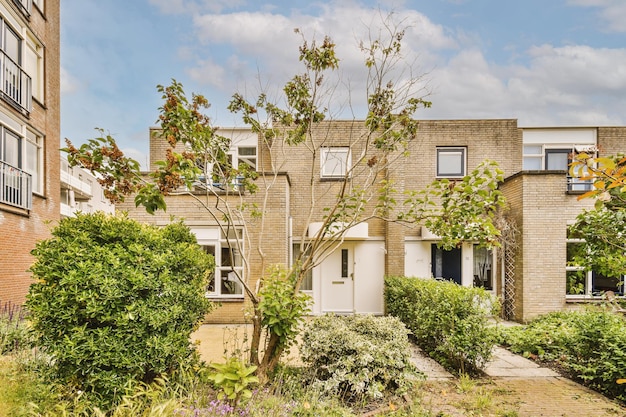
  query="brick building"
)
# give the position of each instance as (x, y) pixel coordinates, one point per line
(29, 136)
(531, 277)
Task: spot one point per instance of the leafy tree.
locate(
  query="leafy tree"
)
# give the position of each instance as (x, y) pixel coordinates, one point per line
(457, 210)
(115, 302)
(603, 228)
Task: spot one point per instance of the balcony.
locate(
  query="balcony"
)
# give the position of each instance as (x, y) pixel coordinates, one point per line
(15, 84)
(15, 187)
(25, 6)
(578, 186)
(73, 179)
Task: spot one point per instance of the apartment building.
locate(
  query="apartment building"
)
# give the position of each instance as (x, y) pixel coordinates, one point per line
(531, 275)
(81, 192)
(29, 136)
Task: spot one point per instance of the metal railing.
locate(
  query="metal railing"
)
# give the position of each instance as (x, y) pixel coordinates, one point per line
(576, 185)
(26, 6)
(15, 83)
(16, 187)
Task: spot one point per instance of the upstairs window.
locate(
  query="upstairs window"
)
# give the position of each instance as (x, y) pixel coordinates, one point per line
(246, 155)
(451, 162)
(16, 82)
(557, 158)
(334, 162)
(21, 162)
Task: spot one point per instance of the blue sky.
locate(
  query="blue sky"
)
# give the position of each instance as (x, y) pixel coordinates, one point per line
(543, 62)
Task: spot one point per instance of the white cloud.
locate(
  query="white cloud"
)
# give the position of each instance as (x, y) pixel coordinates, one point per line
(69, 83)
(581, 68)
(572, 85)
(613, 12)
(191, 7)
(263, 47)
(208, 73)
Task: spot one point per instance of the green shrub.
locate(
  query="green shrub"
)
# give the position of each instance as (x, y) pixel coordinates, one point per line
(233, 378)
(589, 344)
(116, 301)
(358, 356)
(449, 322)
(14, 331)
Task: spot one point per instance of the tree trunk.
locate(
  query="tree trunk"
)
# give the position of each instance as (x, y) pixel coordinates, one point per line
(257, 330)
(271, 357)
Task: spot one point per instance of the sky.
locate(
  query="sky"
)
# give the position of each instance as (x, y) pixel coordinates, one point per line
(542, 62)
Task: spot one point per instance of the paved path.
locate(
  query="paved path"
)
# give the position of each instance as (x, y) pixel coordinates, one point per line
(527, 388)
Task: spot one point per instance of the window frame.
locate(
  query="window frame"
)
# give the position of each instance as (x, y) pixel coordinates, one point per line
(307, 283)
(443, 150)
(36, 141)
(233, 243)
(588, 276)
(327, 152)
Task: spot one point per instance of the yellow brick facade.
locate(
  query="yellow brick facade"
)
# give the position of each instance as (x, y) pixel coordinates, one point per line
(538, 202)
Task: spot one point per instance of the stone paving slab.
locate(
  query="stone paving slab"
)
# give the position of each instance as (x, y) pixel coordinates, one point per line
(510, 365)
(428, 366)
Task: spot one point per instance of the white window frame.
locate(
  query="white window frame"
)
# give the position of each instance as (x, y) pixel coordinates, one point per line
(32, 167)
(530, 154)
(452, 151)
(216, 238)
(588, 275)
(33, 65)
(250, 160)
(340, 156)
(307, 283)
(39, 4)
(36, 141)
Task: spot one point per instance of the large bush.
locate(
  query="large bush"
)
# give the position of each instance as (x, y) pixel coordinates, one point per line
(589, 344)
(358, 356)
(448, 321)
(115, 301)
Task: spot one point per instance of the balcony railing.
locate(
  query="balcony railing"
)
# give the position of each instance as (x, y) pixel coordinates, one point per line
(576, 185)
(16, 187)
(16, 85)
(26, 6)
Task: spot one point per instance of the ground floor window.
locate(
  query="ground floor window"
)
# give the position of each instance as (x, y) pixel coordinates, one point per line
(587, 283)
(226, 247)
(483, 267)
(307, 282)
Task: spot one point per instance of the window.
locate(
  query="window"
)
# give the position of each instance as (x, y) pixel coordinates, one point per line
(483, 266)
(25, 6)
(335, 162)
(587, 283)
(214, 175)
(246, 155)
(16, 84)
(557, 158)
(225, 246)
(451, 162)
(33, 159)
(21, 166)
(33, 65)
(307, 282)
(39, 4)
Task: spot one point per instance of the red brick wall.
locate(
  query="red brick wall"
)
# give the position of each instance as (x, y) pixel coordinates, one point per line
(19, 230)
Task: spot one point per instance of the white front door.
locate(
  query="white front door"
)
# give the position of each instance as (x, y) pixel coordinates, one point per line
(337, 279)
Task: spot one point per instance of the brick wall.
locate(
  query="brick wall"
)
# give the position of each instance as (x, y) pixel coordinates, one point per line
(542, 209)
(611, 140)
(20, 230)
